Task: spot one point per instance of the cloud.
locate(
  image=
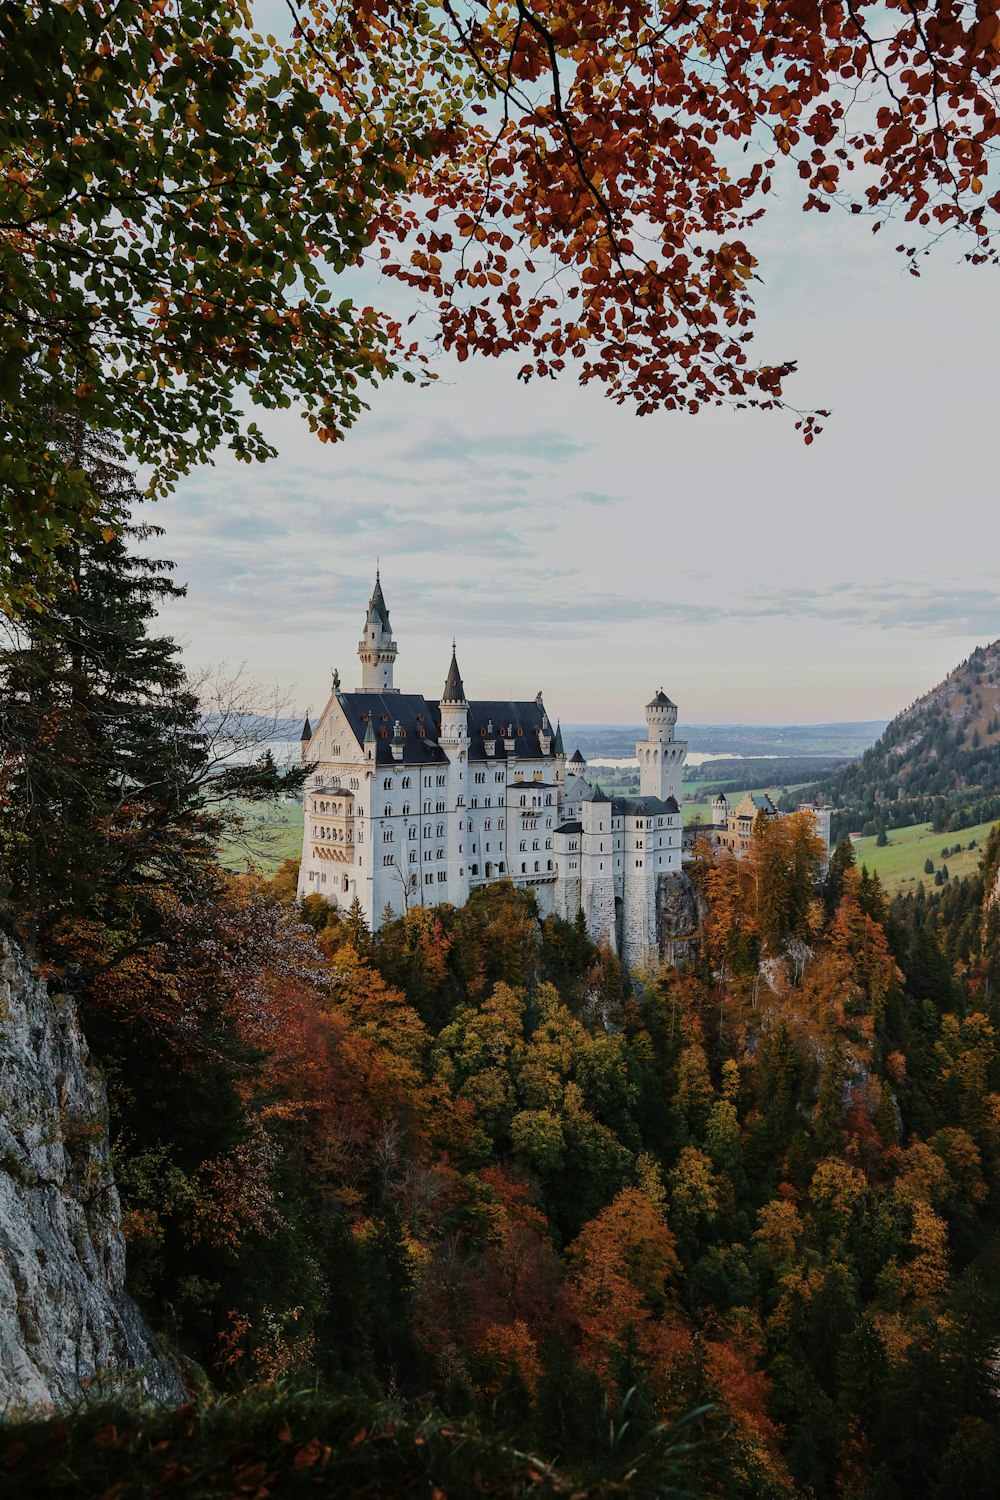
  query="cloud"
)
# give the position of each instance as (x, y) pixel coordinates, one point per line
(454, 446)
(951, 608)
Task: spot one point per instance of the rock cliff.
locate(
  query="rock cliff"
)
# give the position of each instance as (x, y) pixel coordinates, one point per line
(66, 1320)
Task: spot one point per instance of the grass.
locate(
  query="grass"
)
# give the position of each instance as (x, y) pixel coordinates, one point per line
(274, 834)
(900, 863)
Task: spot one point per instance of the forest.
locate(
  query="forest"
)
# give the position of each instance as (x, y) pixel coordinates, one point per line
(726, 1230)
(460, 1207)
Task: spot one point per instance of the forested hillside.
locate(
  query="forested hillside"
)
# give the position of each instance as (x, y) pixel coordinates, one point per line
(732, 1228)
(938, 761)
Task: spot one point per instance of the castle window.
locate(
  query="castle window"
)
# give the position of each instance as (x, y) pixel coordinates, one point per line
(474, 802)
(488, 824)
(388, 810)
(536, 866)
(405, 782)
(412, 831)
(548, 843)
(548, 864)
(488, 802)
(480, 777)
(440, 854)
(500, 822)
(413, 856)
(439, 807)
(524, 801)
(501, 867)
(427, 830)
(523, 846)
(534, 843)
(346, 883)
(474, 870)
(387, 859)
(406, 809)
(428, 879)
(387, 784)
(498, 776)
(524, 868)
(440, 832)
(427, 807)
(323, 877)
(387, 836)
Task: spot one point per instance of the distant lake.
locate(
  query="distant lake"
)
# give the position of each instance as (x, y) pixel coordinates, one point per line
(694, 758)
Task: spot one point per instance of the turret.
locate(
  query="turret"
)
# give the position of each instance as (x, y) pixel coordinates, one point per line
(454, 706)
(559, 758)
(661, 757)
(377, 649)
(304, 739)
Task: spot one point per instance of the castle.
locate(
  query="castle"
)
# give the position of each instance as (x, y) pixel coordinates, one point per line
(418, 801)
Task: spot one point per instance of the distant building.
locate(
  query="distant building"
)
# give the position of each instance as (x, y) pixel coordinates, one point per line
(732, 826)
(418, 801)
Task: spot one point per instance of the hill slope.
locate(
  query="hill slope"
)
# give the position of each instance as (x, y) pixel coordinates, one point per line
(938, 761)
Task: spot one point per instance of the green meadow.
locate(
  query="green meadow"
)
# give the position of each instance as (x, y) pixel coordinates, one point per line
(900, 864)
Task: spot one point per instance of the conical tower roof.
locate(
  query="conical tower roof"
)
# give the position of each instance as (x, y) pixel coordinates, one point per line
(377, 608)
(661, 701)
(454, 691)
(307, 733)
(557, 743)
(576, 759)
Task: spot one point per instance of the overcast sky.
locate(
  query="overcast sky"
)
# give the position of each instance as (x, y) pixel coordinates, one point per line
(573, 547)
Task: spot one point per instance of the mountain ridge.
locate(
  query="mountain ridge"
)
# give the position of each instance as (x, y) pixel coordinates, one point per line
(938, 760)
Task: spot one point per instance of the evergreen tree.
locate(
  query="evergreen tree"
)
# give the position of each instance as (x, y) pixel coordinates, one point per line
(106, 771)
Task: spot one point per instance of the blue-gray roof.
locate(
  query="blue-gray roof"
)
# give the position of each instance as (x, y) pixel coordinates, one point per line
(417, 718)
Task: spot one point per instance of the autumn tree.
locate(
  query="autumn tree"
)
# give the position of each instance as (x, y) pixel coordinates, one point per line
(575, 185)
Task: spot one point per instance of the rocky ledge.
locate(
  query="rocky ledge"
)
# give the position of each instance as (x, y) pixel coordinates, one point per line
(66, 1320)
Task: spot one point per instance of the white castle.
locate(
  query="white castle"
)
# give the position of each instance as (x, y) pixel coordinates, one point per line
(418, 801)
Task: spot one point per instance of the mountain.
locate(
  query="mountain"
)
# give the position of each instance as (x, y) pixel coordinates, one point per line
(938, 761)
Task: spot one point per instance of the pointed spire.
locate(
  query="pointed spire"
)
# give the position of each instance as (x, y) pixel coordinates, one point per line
(377, 608)
(370, 731)
(307, 733)
(557, 743)
(576, 759)
(454, 691)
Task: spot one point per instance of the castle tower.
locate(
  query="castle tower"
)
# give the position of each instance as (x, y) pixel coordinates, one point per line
(559, 758)
(454, 741)
(661, 757)
(377, 649)
(454, 706)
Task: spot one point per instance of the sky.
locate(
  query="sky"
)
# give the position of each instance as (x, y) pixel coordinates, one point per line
(572, 547)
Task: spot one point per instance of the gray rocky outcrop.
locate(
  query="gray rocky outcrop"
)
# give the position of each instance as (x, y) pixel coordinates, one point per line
(680, 911)
(66, 1320)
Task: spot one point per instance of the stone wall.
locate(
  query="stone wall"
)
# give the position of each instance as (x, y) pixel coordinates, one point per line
(66, 1320)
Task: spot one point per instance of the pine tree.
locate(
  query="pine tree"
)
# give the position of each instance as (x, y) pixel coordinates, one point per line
(106, 770)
